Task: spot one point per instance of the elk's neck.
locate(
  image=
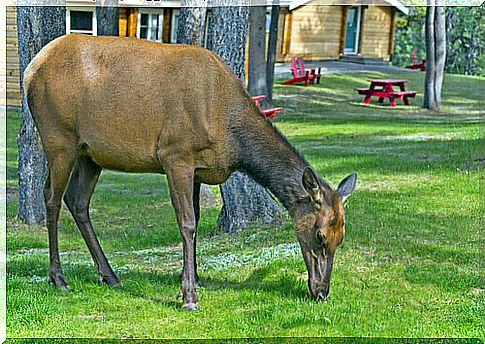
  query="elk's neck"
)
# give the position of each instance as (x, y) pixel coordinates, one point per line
(268, 157)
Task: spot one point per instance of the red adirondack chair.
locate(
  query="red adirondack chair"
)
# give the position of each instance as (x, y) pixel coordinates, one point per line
(270, 113)
(299, 75)
(414, 62)
(301, 66)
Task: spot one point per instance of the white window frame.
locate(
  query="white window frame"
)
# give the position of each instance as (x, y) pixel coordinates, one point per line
(357, 35)
(173, 29)
(150, 12)
(93, 32)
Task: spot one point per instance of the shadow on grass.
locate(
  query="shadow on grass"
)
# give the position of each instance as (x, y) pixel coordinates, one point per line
(284, 286)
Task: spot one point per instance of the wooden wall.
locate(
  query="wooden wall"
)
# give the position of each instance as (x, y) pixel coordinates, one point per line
(13, 66)
(315, 32)
(376, 33)
(318, 32)
(123, 22)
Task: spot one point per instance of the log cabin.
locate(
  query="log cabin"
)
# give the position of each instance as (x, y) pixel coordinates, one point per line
(313, 29)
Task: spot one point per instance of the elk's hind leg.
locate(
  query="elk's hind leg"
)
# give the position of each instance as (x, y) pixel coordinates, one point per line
(59, 168)
(77, 198)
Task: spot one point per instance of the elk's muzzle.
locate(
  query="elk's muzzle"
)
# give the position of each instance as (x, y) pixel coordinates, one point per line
(319, 265)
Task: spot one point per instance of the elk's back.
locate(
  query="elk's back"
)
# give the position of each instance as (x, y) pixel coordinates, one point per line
(132, 104)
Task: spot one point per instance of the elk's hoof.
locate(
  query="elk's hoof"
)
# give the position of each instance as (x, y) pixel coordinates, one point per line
(191, 306)
(112, 281)
(59, 281)
(322, 297)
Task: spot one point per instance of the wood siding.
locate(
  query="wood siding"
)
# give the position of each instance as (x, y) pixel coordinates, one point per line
(123, 22)
(315, 32)
(376, 33)
(13, 66)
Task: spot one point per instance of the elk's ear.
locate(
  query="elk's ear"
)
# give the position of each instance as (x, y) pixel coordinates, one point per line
(310, 184)
(347, 186)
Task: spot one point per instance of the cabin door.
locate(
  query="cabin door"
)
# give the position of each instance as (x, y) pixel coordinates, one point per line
(352, 30)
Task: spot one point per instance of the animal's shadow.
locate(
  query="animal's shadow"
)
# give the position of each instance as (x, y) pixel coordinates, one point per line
(257, 281)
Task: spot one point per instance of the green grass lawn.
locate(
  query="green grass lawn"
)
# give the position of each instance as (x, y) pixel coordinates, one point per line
(409, 265)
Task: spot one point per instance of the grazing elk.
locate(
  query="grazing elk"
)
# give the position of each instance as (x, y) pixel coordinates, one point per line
(137, 106)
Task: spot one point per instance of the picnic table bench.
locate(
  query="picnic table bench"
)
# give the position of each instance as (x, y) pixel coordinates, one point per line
(382, 88)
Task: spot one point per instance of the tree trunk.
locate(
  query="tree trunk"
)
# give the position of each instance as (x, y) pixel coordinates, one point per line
(440, 48)
(191, 27)
(257, 52)
(228, 34)
(245, 201)
(272, 42)
(37, 26)
(107, 17)
(429, 95)
(435, 54)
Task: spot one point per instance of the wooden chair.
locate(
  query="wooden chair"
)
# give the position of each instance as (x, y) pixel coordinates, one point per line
(414, 62)
(299, 75)
(301, 66)
(270, 113)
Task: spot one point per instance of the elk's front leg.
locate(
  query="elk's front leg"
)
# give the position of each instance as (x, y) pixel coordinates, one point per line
(181, 184)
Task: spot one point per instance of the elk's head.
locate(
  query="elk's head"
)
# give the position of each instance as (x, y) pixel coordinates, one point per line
(320, 228)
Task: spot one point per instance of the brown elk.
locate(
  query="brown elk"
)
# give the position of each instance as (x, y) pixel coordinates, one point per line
(137, 106)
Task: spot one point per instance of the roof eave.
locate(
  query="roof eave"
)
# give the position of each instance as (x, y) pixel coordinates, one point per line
(396, 3)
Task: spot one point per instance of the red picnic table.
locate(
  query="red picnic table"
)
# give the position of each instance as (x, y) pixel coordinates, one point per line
(382, 88)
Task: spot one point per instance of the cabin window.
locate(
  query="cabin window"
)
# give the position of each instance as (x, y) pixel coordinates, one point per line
(175, 26)
(81, 20)
(150, 25)
(268, 21)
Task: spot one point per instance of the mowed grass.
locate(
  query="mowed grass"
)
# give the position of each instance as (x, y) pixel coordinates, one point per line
(410, 265)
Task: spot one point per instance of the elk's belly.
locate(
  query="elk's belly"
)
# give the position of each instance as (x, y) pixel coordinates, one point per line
(125, 159)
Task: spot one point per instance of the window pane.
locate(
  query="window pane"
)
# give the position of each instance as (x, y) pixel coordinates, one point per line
(143, 32)
(144, 19)
(154, 20)
(175, 27)
(81, 20)
(153, 33)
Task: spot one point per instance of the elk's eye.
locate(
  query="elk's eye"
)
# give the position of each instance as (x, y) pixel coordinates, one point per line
(320, 236)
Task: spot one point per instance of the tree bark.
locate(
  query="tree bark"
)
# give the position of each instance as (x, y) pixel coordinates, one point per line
(435, 54)
(191, 28)
(440, 48)
(245, 201)
(37, 26)
(107, 17)
(228, 34)
(429, 95)
(272, 42)
(257, 52)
